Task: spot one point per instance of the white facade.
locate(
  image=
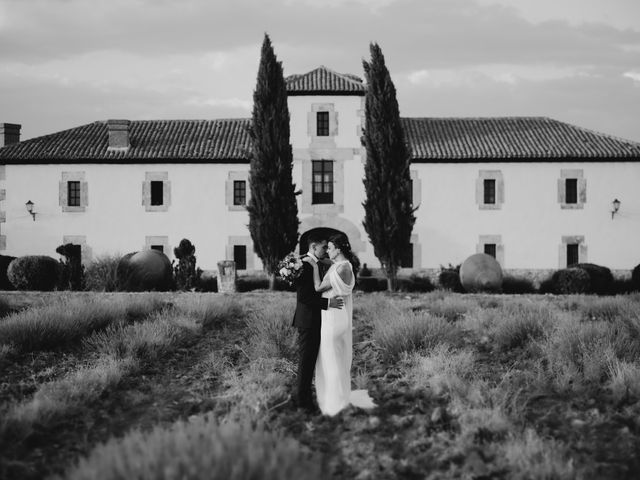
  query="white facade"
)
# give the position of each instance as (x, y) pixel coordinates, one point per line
(529, 224)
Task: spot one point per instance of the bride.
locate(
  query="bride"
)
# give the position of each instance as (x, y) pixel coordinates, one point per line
(333, 367)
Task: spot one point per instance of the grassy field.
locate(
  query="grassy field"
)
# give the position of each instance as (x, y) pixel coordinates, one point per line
(190, 386)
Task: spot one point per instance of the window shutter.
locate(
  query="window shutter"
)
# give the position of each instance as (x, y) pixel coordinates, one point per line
(561, 190)
(146, 193)
(582, 190)
(166, 193)
(333, 124)
(499, 191)
(62, 194)
(84, 194)
(311, 124)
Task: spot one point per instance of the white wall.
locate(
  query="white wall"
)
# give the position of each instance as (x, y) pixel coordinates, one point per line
(531, 221)
(115, 220)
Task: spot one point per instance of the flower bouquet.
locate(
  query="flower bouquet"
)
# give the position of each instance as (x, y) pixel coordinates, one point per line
(290, 268)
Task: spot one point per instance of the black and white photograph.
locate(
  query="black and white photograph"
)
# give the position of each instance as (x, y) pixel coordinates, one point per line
(335, 240)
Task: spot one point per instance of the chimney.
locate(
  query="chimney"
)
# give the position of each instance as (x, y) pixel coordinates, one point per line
(118, 135)
(9, 133)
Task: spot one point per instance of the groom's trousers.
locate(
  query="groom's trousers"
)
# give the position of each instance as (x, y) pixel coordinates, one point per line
(308, 348)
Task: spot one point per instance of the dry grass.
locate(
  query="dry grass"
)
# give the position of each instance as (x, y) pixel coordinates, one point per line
(69, 320)
(271, 334)
(399, 331)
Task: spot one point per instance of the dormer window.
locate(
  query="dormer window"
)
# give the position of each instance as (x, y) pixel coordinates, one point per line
(322, 124)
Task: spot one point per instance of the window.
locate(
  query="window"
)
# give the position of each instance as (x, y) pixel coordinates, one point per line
(322, 124)
(407, 257)
(156, 192)
(73, 193)
(239, 192)
(322, 181)
(240, 256)
(571, 190)
(489, 191)
(490, 249)
(573, 255)
(160, 248)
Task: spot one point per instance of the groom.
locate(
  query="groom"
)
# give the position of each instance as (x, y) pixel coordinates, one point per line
(307, 319)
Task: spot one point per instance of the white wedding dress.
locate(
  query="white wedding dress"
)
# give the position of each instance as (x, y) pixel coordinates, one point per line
(333, 367)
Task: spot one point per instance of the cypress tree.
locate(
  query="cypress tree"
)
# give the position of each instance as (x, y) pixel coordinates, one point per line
(388, 205)
(273, 210)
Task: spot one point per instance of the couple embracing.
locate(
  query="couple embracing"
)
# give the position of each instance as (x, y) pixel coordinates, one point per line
(323, 317)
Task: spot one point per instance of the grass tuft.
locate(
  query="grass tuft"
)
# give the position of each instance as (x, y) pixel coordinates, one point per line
(200, 448)
(271, 334)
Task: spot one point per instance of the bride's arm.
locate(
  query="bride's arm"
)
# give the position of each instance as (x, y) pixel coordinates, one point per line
(320, 286)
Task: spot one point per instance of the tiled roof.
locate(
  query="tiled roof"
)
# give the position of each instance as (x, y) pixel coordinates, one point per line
(323, 80)
(151, 140)
(228, 141)
(510, 139)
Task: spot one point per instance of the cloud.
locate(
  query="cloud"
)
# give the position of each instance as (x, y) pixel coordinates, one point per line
(635, 76)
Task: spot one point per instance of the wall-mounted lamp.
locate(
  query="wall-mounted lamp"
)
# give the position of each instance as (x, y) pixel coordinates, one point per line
(615, 206)
(29, 206)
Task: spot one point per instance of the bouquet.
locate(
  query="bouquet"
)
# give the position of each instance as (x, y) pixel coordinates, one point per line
(290, 268)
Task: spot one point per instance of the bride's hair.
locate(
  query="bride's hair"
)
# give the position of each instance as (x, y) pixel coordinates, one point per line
(341, 241)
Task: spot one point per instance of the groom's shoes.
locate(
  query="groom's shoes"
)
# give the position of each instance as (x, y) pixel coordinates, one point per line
(306, 405)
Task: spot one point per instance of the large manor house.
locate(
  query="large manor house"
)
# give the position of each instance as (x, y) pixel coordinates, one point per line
(536, 193)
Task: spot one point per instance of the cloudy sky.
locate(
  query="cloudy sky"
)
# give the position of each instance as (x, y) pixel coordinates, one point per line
(64, 63)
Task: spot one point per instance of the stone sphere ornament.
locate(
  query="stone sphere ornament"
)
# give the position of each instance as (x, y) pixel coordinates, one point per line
(481, 273)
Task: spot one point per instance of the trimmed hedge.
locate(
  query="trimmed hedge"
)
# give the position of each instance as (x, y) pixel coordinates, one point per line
(34, 272)
(570, 281)
(600, 278)
(5, 284)
(635, 278)
(517, 285)
(371, 284)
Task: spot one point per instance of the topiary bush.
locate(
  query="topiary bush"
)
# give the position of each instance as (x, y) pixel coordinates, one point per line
(5, 284)
(449, 278)
(71, 269)
(186, 273)
(635, 278)
(570, 281)
(34, 272)
(600, 278)
(144, 271)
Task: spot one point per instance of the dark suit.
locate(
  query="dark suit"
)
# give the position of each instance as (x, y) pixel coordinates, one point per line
(307, 319)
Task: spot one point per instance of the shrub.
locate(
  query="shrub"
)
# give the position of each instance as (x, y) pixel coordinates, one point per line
(449, 278)
(364, 271)
(635, 278)
(622, 286)
(71, 269)
(517, 285)
(200, 448)
(600, 278)
(415, 283)
(397, 331)
(207, 283)
(34, 272)
(5, 284)
(570, 281)
(217, 313)
(371, 284)
(185, 272)
(515, 325)
(100, 274)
